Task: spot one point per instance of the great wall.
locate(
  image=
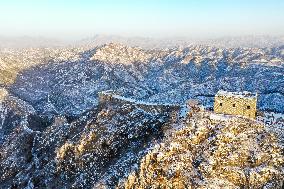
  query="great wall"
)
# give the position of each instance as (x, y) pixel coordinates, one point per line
(172, 110)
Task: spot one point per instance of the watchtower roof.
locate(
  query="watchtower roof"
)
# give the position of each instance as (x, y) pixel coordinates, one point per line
(242, 94)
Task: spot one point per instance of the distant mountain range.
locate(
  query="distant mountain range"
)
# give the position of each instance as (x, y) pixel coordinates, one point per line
(222, 42)
(144, 42)
(29, 42)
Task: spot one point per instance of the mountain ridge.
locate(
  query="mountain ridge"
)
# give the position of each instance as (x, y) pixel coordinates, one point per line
(191, 72)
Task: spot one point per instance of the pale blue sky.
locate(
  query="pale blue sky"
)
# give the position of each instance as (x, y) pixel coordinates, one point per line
(149, 18)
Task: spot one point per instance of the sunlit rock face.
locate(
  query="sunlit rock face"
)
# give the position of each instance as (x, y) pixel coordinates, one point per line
(236, 153)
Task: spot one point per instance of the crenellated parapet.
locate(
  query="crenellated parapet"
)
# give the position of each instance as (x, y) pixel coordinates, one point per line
(153, 108)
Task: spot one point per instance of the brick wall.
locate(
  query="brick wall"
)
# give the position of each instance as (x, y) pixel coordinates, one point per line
(235, 106)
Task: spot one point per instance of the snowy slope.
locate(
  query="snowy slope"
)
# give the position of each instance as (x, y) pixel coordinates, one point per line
(71, 84)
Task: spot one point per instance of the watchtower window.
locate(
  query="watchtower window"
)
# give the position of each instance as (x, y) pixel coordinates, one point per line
(248, 107)
(221, 104)
(234, 105)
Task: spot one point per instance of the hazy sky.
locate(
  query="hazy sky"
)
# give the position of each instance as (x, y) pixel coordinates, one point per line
(150, 18)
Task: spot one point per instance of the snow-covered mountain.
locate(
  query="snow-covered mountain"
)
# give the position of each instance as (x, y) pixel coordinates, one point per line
(55, 132)
(69, 79)
(249, 41)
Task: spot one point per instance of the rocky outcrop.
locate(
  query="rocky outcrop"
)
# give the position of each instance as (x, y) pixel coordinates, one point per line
(236, 153)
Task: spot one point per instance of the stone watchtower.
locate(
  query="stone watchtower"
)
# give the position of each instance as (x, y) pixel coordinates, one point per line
(236, 103)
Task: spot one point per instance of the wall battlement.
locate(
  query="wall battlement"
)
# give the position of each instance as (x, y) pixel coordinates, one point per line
(153, 108)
